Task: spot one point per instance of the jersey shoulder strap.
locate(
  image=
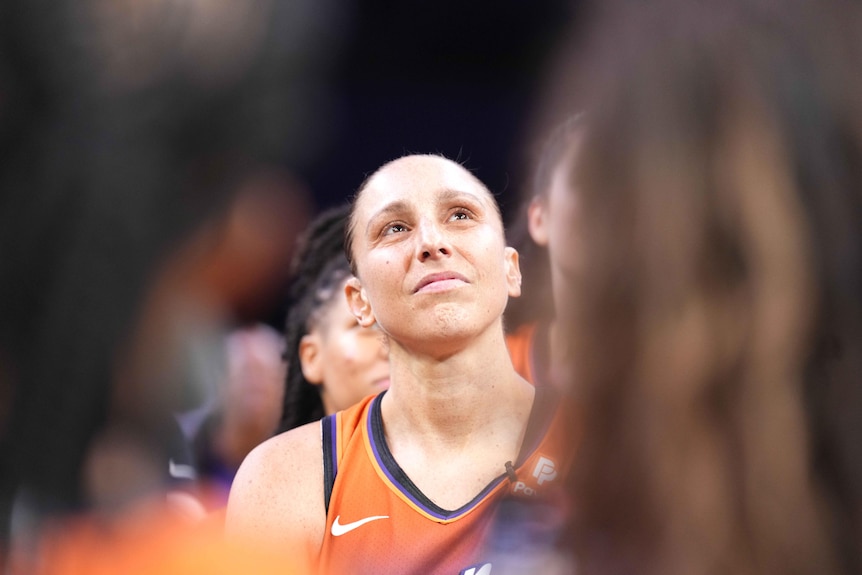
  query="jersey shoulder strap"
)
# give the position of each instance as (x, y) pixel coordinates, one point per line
(330, 456)
(337, 430)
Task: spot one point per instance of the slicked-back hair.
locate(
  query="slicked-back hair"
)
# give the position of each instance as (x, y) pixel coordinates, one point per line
(349, 225)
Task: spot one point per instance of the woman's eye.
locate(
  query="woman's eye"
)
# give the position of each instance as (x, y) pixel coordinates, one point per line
(394, 229)
(461, 215)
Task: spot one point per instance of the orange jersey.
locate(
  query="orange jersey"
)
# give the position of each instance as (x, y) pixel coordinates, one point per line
(378, 522)
(528, 348)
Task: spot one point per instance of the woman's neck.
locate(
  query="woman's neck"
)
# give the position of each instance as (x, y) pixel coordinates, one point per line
(451, 396)
(452, 424)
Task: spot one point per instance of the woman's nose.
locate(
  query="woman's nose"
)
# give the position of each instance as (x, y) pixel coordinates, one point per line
(432, 242)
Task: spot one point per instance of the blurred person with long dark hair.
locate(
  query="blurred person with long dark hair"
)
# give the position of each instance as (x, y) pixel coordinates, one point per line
(716, 336)
(144, 207)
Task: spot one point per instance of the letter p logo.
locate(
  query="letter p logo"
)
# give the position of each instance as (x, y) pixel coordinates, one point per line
(544, 470)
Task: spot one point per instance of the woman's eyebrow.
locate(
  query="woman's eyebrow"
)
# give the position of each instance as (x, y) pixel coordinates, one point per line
(450, 194)
(396, 207)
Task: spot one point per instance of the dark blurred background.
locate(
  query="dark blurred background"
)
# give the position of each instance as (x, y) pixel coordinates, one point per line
(451, 77)
(463, 79)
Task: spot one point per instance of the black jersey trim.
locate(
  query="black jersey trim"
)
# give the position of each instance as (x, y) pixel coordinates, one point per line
(330, 457)
(400, 479)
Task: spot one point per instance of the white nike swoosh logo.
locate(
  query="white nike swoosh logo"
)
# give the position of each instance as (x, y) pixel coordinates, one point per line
(338, 529)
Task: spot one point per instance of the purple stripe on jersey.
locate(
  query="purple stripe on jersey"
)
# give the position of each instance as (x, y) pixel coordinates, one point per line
(381, 463)
(334, 441)
(383, 466)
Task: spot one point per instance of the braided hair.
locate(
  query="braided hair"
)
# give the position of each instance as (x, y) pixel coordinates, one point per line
(319, 271)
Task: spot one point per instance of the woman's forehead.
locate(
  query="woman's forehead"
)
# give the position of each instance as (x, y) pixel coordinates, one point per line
(415, 178)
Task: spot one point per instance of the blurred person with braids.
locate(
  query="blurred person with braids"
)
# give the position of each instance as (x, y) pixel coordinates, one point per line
(332, 361)
(716, 333)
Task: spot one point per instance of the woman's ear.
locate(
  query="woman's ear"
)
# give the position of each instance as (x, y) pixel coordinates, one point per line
(513, 272)
(358, 302)
(537, 221)
(311, 358)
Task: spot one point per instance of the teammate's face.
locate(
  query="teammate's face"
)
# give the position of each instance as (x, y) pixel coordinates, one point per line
(430, 253)
(349, 361)
(554, 216)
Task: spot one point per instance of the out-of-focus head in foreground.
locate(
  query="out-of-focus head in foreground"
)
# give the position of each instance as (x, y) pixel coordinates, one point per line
(717, 331)
(146, 202)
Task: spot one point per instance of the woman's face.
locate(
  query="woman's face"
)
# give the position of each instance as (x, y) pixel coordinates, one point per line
(347, 360)
(554, 216)
(429, 246)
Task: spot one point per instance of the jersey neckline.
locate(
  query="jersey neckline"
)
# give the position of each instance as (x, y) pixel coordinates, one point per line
(537, 424)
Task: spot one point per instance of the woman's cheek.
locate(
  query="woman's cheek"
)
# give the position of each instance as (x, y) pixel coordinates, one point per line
(348, 348)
